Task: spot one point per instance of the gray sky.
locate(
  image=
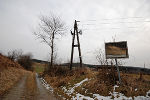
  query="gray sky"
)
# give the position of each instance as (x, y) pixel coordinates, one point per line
(101, 20)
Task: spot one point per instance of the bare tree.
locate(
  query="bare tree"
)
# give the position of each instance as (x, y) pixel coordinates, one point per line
(14, 54)
(25, 61)
(100, 56)
(49, 28)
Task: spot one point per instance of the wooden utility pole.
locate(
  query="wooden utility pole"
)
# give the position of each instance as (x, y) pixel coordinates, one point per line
(75, 33)
(118, 70)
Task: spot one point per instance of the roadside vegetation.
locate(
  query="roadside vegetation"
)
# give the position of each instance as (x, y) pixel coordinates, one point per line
(25, 60)
(68, 83)
(38, 67)
(31, 89)
(10, 73)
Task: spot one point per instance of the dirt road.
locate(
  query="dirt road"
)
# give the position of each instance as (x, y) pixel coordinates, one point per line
(43, 94)
(19, 91)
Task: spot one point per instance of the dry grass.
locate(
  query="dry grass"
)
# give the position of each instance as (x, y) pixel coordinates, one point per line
(131, 82)
(60, 76)
(9, 77)
(38, 67)
(5, 63)
(31, 87)
(100, 82)
(10, 73)
(65, 77)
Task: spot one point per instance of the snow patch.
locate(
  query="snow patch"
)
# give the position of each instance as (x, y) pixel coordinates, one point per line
(78, 96)
(99, 97)
(72, 89)
(46, 85)
(76, 85)
(81, 97)
(115, 95)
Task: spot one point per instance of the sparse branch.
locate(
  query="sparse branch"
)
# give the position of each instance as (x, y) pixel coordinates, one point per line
(100, 56)
(50, 26)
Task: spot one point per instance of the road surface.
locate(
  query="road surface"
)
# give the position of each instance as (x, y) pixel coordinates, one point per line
(19, 90)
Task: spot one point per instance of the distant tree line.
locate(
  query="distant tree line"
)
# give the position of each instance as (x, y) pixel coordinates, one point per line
(25, 60)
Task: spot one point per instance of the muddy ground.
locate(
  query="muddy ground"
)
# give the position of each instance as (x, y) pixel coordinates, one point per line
(28, 89)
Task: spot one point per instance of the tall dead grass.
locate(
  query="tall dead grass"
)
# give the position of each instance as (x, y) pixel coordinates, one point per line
(9, 77)
(31, 87)
(5, 63)
(133, 85)
(103, 82)
(100, 82)
(10, 73)
(60, 76)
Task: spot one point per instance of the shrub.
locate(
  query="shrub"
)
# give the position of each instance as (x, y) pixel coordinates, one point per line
(26, 61)
(107, 76)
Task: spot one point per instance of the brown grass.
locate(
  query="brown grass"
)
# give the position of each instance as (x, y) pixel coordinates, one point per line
(65, 77)
(10, 73)
(9, 77)
(5, 63)
(60, 76)
(130, 82)
(31, 87)
(101, 82)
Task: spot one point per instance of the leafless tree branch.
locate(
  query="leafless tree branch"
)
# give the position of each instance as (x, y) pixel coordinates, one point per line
(50, 26)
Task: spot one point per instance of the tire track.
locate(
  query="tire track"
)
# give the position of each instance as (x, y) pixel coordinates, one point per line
(16, 93)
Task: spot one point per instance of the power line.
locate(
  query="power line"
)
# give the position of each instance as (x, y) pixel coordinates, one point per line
(113, 19)
(115, 22)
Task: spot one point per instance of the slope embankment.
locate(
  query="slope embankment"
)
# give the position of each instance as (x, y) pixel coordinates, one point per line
(10, 73)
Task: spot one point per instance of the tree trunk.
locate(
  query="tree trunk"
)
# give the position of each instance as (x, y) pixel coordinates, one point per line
(52, 51)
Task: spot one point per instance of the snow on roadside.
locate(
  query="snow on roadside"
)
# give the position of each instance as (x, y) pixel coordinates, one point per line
(72, 89)
(78, 96)
(116, 95)
(77, 85)
(99, 97)
(46, 85)
(142, 97)
(81, 97)
(119, 96)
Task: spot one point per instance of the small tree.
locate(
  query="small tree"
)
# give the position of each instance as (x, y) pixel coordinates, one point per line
(100, 56)
(49, 28)
(26, 61)
(108, 71)
(14, 54)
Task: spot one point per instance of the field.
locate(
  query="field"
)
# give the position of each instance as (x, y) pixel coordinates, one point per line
(86, 83)
(38, 68)
(79, 83)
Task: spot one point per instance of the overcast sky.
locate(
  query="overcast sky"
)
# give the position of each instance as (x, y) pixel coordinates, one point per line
(124, 20)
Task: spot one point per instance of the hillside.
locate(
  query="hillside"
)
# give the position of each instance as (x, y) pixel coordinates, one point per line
(88, 84)
(10, 73)
(127, 69)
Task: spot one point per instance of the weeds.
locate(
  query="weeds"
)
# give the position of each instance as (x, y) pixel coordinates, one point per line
(99, 82)
(10, 73)
(31, 87)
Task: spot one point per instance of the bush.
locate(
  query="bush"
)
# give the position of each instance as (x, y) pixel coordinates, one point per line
(107, 76)
(26, 61)
(14, 54)
(65, 71)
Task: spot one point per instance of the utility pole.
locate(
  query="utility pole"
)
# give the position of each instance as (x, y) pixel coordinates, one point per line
(75, 33)
(118, 70)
